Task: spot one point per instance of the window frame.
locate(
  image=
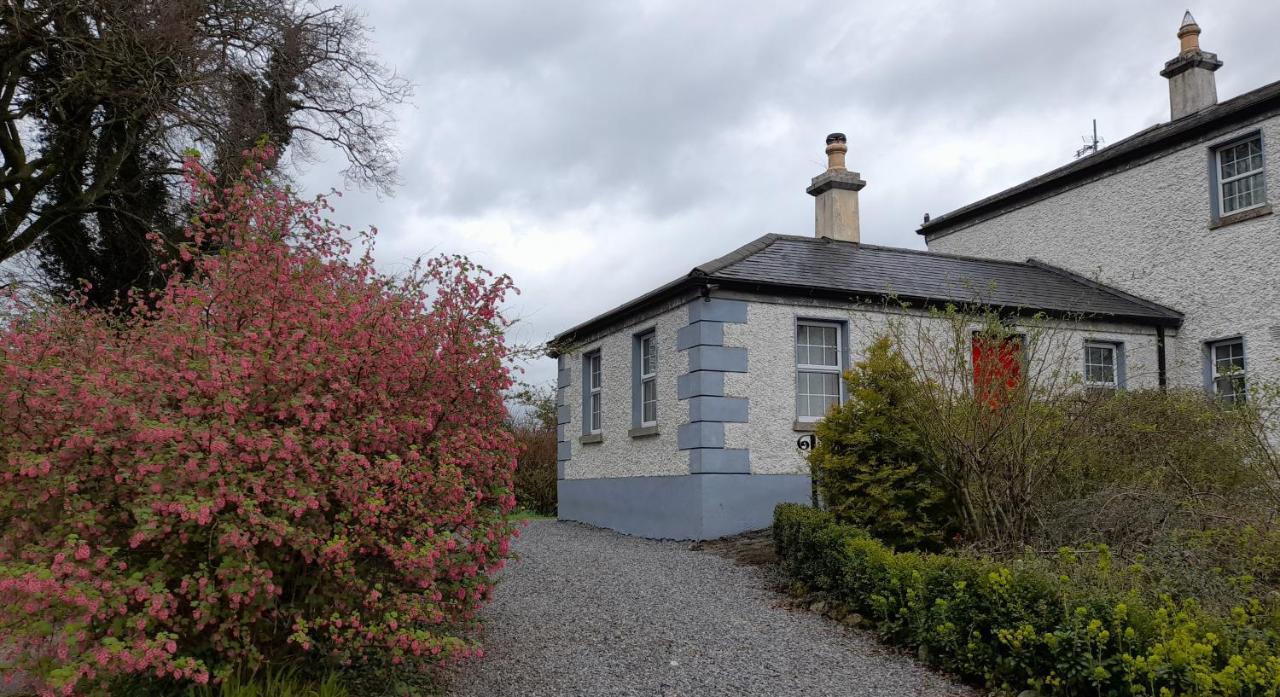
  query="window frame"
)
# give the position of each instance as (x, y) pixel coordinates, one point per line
(1219, 182)
(1211, 369)
(1117, 364)
(593, 391)
(642, 378)
(837, 369)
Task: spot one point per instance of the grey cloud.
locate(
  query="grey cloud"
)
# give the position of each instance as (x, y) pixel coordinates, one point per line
(655, 135)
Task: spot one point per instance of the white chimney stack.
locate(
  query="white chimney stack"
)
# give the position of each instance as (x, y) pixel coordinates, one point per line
(1191, 83)
(836, 195)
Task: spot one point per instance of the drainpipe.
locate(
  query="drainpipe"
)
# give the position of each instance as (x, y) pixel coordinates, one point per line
(1161, 370)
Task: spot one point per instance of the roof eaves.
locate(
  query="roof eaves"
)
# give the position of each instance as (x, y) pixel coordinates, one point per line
(912, 300)
(1151, 139)
(1160, 311)
(566, 337)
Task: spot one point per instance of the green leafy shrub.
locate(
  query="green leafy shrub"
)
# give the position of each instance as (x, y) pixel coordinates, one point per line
(1076, 624)
(535, 478)
(535, 475)
(870, 462)
(1145, 461)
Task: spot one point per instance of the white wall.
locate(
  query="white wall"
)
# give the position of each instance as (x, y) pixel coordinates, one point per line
(769, 336)
(621, 455)
(1146, 230)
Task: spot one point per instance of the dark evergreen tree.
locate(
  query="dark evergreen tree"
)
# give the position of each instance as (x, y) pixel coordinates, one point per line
(872, 467)
(106, 253)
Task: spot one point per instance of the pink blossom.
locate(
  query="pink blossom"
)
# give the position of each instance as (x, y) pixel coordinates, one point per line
(281, 409)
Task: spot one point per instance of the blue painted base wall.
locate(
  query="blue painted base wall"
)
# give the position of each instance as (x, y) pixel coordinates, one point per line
(686, 507)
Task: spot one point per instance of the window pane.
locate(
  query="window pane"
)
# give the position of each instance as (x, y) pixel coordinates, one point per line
(649, 401)
(817, 345)
(831, 384)
(1100, 364)
(646, 355)
(1229, 356)
(1240, 172)
(595, 371)
(816, 393)
(815, 407)
(1231, 388)
(595, 412)
(1229, 371)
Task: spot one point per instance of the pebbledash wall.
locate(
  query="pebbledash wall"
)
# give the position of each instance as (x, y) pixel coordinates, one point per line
(772, 432)
(681, 482)
(1147, 230)
(725, 448)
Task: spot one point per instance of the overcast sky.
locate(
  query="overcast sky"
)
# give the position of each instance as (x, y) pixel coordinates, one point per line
(594, 150)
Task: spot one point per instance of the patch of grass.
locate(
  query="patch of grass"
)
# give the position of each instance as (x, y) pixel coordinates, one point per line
(272, 683)
(521, 514)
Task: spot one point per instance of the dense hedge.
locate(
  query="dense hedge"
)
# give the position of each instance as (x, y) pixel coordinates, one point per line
(1067, 626)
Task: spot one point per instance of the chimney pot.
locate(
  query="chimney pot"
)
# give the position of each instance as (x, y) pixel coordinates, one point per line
(835, 193)
(1189, 34)
(836, 149)
(1191, 83)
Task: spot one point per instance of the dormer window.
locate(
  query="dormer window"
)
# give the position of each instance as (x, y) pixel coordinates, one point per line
(1238, 173)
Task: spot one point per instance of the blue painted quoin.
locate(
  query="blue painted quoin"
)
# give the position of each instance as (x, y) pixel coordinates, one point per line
(564, 450)
(718, 495)
(703, 387)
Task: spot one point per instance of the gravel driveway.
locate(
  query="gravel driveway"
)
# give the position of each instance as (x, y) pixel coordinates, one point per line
(585, 611)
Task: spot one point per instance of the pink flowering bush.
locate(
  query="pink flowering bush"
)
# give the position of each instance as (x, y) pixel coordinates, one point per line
(283, 454)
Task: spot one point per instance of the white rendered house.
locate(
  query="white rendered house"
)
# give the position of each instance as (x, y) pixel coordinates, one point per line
(679, 411)
(1180, 213)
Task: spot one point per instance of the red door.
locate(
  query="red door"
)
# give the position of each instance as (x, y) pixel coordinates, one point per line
(997, 367)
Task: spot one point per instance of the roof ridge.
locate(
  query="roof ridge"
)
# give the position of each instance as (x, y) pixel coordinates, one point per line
(1134, 143)
(947, 255)
(1103, 287)
(737, 255)
(906, 250)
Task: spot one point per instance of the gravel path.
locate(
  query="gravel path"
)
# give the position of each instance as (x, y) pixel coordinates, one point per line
(591, 612)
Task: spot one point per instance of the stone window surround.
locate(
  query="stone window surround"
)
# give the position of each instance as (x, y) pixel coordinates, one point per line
(1216, 219)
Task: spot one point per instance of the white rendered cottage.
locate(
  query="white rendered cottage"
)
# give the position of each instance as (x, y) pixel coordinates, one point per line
(1179, 213)
(679, 411)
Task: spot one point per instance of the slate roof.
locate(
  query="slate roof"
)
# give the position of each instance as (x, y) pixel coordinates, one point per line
(1142, 146)
(819, 267)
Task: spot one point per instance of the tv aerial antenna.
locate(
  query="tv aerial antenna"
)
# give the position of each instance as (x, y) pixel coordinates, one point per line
(1091, 144)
